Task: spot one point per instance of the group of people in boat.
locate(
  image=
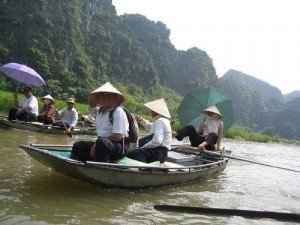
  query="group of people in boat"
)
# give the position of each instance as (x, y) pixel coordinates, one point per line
(27, 110)
(112, 143)
(112, 126)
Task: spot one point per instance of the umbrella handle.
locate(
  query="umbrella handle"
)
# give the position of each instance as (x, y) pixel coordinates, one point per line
(18, 86)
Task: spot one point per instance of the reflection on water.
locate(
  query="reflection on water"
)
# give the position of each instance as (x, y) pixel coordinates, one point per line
(31, 193)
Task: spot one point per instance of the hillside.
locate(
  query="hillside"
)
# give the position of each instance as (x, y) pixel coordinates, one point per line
(266, 90)
(255, 109)
(291, 96)
(78, 45)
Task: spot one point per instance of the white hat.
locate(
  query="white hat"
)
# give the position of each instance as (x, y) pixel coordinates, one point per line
(107, 87)
(159, 106)
(48, 97)
(213, 109)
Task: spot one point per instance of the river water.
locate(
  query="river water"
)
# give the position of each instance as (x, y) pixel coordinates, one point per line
(31, 193)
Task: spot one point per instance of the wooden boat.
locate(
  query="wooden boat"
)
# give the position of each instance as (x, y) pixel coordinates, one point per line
(39, 127)
(128, 173)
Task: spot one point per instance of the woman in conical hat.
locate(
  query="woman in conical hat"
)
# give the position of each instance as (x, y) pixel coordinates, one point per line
(48, 97)
(158, 142)
(160, 107)
(47, 115)
(208, 134)
(213, 109)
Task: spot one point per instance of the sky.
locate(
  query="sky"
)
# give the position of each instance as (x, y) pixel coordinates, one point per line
(260, 38)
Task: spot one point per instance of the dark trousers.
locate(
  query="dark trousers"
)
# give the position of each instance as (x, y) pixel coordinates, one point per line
(195, 138)
(105, 150)
(23, 116)
(81, 150)
(44, 119)
(149, 155)
(142, 141)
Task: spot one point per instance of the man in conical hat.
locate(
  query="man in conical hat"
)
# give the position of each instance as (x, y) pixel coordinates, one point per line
(48, 113)
(108, 89)
(208, 134)
(111, 144)
(159, 143)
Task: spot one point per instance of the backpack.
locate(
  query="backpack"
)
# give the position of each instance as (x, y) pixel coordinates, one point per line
(133, 133)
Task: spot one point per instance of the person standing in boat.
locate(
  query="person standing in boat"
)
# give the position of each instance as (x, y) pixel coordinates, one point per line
(159, 143)
(110, 144)
(68, 115)
(208, 134)
(48, 113)
(26, 109)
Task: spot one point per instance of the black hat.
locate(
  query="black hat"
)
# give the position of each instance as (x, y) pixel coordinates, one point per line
(27, 88)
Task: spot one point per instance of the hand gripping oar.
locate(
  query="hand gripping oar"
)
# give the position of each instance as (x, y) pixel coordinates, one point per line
(283, 216)
(68, 133)
(194, 150)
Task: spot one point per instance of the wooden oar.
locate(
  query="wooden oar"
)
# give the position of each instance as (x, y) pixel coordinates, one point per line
(50, 145)
(283, 216)
(194, 150)
(68, 133)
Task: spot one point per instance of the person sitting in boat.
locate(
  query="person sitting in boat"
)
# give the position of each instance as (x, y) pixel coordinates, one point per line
(26, 109)
(110, 144)
(48, 113)
(156, 149)
(208, 134)
(89, 119)
(68, 116)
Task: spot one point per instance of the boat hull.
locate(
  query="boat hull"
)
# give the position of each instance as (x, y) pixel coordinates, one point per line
(44, 128)
(120, 176)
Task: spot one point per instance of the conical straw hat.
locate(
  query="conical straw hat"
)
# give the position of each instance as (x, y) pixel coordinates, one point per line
(48, 97)
(159, 106)
(213, 109)
(107, 87)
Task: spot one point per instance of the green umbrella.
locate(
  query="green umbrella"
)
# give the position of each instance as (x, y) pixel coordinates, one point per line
(190, 109)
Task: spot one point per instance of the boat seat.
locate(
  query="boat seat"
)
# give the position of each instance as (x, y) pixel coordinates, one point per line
(180, 159)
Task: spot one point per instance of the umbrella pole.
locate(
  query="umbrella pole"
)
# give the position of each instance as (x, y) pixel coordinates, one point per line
(18, 87)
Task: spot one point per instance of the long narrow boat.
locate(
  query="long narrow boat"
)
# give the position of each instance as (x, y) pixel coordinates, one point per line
(128, 173)
(39, 127)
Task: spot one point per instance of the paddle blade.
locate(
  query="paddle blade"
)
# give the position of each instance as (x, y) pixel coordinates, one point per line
(283, 216)
(69, 134)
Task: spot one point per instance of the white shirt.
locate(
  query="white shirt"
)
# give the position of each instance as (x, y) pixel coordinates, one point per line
(120, 123)
(69, 117)
(32, 102)
(161, 128)
(212, 125)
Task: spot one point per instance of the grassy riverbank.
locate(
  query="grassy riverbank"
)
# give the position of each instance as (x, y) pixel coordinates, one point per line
(6, 102)
(239, 132)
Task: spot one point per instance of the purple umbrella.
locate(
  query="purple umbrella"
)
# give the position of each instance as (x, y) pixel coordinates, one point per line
(23, 74)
